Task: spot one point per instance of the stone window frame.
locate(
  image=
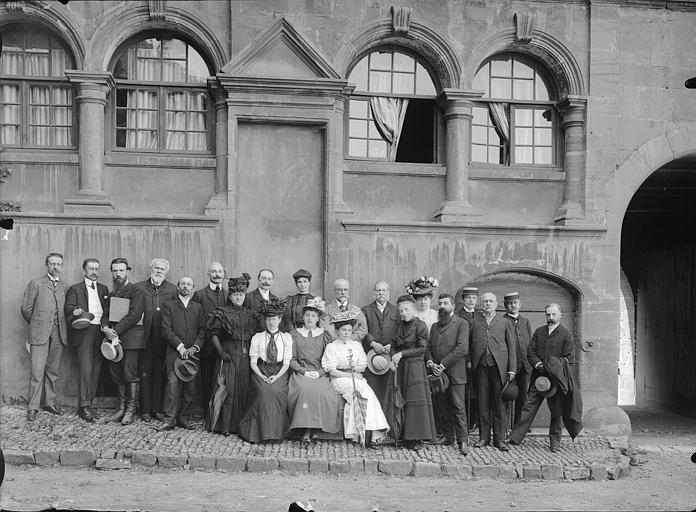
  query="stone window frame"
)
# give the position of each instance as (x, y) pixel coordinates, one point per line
(162, 88)
(26, 81)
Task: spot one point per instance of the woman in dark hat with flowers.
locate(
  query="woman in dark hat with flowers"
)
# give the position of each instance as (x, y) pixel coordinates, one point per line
(422, 290)
(340, 357)
(231, 328)
(313, 402)
(266, 417)
(408, 350)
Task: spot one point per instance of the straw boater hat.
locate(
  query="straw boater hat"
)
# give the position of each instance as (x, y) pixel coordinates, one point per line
(185, 369)
(315, 304)
(544, 386)
(509, 297)
(112, 352)
(469, 290)
(82, 321)
(341, 318)
(424, 285)
(238, 284)
(273, 307)
(378, 364)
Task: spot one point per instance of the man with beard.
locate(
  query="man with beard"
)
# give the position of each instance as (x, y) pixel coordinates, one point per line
(549, 341)
(43, 309)
(494, 361)
(256, 297)
(157, 292)
(213, 296)
(183, 328)
(130, 334)
(447, 353)
(294, 304)
(523, 332)
(92, 298)
(341, 305)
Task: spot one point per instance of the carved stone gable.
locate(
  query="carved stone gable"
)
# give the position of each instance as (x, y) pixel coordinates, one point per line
(281, 52)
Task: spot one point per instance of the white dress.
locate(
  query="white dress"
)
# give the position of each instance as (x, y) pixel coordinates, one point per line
(336, 357)
(429, 317)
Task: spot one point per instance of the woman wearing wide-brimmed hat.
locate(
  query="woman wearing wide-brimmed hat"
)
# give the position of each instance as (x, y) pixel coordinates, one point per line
(422, 290)
(231, 328)
(313, 402)
(341, 358)
(266, 417)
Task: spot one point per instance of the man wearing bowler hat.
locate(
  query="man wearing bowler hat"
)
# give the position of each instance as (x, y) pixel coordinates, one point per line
(550, 340)
(85, 304)
(183, 329)
(523, 332)
(294, 304)
(446, 353)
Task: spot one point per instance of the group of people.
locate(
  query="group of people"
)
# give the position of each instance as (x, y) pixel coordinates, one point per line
(270, 368)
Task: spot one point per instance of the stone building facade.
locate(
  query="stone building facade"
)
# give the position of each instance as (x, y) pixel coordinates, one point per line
(490, 142)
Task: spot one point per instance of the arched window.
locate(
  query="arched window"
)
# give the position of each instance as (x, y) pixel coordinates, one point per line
(161, 103)
(36, 100)
(392, 113)
(515, 121)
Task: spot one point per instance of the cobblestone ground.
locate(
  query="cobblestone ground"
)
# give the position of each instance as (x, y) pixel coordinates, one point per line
(70, 441)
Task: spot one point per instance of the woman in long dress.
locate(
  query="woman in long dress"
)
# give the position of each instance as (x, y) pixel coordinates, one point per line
(344, 357)
(313, 402)
(408, 350)
(231, 328)
(270, 353)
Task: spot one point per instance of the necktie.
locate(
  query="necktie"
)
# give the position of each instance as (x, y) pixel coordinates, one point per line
(271, 349)
(93, 286)
(217, 288)
(343, 307)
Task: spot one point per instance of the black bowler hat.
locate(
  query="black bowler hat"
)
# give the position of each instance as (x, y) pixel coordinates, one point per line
(509, 391)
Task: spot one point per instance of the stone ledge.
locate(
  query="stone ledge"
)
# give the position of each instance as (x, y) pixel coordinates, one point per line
(262, 464)
(47, 457)
(171, 461)
(106, 464)
(18, 457)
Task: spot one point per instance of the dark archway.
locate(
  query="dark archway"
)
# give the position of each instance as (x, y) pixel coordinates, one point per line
(658, 257)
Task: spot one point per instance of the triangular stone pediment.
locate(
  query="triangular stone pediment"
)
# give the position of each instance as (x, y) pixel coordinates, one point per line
(281, 52)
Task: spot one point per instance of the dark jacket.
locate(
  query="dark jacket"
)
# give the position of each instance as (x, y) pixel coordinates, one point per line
(523, 332)
(449, 345)
(155, 298)
(252, 302)
(40, 302)
(76, 297)
(562, 372)
(381, 327)
(209, 299)
(129, 328)
(182, 325)
(500, 337)
(292, 316)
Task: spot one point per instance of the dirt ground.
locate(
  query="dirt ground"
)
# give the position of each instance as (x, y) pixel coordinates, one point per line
(665, 481)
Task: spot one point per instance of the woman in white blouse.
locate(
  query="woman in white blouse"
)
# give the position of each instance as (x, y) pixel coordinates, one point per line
(270, 353)
(339, 358)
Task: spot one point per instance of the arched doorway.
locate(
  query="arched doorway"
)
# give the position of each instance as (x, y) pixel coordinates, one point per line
(658, 257)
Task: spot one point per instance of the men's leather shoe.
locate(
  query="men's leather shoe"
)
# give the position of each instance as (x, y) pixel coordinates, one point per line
(31, 414)
(160, 417)
(53, 410)
(464, 449)
(86, 414)
(165, 426)
(502, 447)
(146, 417)
(180, 422)
(554, 447)
(481, 444)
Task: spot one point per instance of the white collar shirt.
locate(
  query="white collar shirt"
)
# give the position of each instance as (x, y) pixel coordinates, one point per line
(93, 303)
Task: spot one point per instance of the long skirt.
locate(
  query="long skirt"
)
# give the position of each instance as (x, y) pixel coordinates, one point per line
(374, 417)
(266, 417)
(237, 380)
(418, 420)
(313, 403)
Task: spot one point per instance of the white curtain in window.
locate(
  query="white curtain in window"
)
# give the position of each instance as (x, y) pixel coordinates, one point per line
(62, 116)
(174, 71)
(142, 120)
(9, 114)
(177, 105)
(501, 121)
(40, 115)
(59, 62)
(37, 64)
(12, 64)
(147, 70)
(389, 114)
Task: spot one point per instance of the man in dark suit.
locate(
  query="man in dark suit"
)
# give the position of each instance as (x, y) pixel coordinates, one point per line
(294, 304)
(523, 333)
(447, 353)
(213, 296)
(382, 318)
(255, 298)
(465, 305)
(183, 328)
(157, 291)
(87, 296)
(43, 309)
(550, 340)
(130, 334)
(494, 359)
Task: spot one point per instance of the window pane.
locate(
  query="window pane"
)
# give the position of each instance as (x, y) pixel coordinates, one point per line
(542, 156)
(542, 137)
(12, 41)
(478, 153)
(40, 135)
(403, 83)
(522, 70)
(424, 84)
(149, 48)
(501, 88)
(148, 70)
(524, 90)
(542, 117)
(174, 71)
(197, 142)
(357, 147)
(197, 68)
(358, 108)
(9, 134)
(380, 81)
(523, 155)
(358, 128)
(541, 92)
(377, 149)
(173, 49)
(358, 75)
(495, 155)
(380, 60)
(403, 62)
(480, 115)
(493, 137)
(501, 67)
(373, 132)
(478, 134)
(37, 64)
(523, 136)
(523, 117)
